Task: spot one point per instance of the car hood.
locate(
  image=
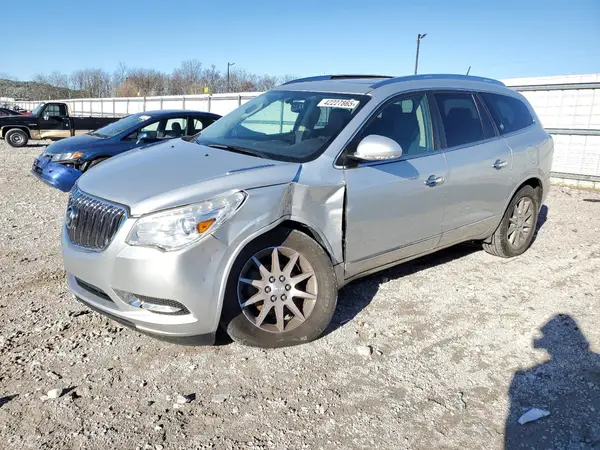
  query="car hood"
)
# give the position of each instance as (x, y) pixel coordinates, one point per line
(176, 173)
(74, 144)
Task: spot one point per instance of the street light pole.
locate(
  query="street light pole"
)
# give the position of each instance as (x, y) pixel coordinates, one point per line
(228, 85)
(419, 37)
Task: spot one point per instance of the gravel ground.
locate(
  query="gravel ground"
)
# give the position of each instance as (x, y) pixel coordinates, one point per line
(437, 353)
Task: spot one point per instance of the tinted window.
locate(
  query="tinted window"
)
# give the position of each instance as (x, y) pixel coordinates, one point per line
(460, 118)
(407, 122)
(486, 119)
(509, 113)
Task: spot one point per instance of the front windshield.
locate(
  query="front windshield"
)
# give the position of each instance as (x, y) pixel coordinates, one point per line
(37, 110)
(284, 125)
(120, 125)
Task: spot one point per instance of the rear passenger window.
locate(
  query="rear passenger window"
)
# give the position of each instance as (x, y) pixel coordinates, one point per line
(509, 113)
(407, 122)
(460, 118)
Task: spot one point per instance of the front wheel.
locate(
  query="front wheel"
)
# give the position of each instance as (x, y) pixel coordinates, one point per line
(282, 291)
(515, 233)
(16, 138)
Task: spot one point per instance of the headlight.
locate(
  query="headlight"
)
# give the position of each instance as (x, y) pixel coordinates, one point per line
(178, 227)
(66, 156)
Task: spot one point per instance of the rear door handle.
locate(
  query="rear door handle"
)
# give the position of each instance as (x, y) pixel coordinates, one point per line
(499, 164)
(434, 181)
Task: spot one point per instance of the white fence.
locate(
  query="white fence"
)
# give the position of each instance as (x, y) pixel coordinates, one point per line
(568, 107)
(120, 106)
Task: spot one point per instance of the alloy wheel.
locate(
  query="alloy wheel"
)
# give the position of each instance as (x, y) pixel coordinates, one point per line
(277, 289)
(521, 224)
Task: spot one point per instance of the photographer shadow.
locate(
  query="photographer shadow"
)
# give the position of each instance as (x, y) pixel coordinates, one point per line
(567, 386)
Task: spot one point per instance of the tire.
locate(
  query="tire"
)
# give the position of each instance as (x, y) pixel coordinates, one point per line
(282, 326)
(95, 162)
(16, 138)
(507, 244)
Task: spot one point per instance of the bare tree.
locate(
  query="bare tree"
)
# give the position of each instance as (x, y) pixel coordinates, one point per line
(212, 79)
(266, 82)
(119, 77)
(145, 82)
(187, 79)
(191, 77)
(241, 80)
(91, 82)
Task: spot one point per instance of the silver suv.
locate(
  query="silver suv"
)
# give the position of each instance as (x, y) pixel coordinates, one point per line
(256, 222)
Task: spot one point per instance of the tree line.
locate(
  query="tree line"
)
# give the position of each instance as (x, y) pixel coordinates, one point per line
(191, 77)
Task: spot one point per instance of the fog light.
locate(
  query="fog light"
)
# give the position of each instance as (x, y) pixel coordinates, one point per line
(155, 305)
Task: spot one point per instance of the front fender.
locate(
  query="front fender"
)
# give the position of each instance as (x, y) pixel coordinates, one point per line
(318, 207)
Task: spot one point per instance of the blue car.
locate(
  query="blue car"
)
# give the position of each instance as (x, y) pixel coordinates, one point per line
(63, 162)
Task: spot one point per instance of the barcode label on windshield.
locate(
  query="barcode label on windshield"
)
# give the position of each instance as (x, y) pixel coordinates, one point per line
(338, 103)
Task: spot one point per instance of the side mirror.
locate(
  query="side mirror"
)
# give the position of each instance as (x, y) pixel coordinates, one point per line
(377, 148)
(46, 116)
(143, 137)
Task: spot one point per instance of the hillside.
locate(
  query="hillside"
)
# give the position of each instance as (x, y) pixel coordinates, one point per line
(31, 90)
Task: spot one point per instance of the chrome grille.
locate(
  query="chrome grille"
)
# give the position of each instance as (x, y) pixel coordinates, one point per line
(91, 222)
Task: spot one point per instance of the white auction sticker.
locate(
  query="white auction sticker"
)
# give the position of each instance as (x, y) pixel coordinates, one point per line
(338, 103)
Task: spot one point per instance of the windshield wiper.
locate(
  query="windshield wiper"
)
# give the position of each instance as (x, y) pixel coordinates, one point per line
(231, 148)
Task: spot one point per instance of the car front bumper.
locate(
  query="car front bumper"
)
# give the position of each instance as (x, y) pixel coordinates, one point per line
(56, 175)
(191, 277)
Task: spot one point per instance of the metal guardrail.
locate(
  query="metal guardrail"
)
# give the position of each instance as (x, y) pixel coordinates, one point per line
(574, 131)
(556, 87)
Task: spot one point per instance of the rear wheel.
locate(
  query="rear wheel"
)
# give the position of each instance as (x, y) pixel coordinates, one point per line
(281, 291)
(16, 138)
(515, 233)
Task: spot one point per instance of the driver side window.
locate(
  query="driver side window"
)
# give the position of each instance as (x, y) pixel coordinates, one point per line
(151, 129)
(406, 121)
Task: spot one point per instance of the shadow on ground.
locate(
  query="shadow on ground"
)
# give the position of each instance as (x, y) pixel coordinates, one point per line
(567, 386)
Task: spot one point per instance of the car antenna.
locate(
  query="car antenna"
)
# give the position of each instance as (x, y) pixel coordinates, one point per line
(468, 70)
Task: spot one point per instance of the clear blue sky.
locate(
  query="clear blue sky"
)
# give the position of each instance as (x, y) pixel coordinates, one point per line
(501, 39)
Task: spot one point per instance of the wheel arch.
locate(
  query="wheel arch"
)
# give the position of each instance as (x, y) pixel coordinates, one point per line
(535, 182)
(7, 128)
(282, 223)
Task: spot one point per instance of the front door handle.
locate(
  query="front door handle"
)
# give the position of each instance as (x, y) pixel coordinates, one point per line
(434, 181)
(499, 164)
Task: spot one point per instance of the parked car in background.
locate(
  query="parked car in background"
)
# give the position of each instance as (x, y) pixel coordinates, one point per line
(8, 112)
(257, 222)
(62, 163)
(48, 121)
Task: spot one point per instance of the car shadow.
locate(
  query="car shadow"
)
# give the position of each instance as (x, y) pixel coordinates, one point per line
(36, 145)
(4, 400)
(357, 295)
(565, 389)
(542, 219)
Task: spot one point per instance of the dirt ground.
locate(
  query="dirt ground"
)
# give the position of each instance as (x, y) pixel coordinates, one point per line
(463, 343)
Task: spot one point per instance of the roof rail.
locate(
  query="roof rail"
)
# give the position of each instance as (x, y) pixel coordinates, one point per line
(334, 77)
(440, 76)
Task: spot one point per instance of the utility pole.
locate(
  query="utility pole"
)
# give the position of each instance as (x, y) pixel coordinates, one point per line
(228, 85)
(419, 37)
